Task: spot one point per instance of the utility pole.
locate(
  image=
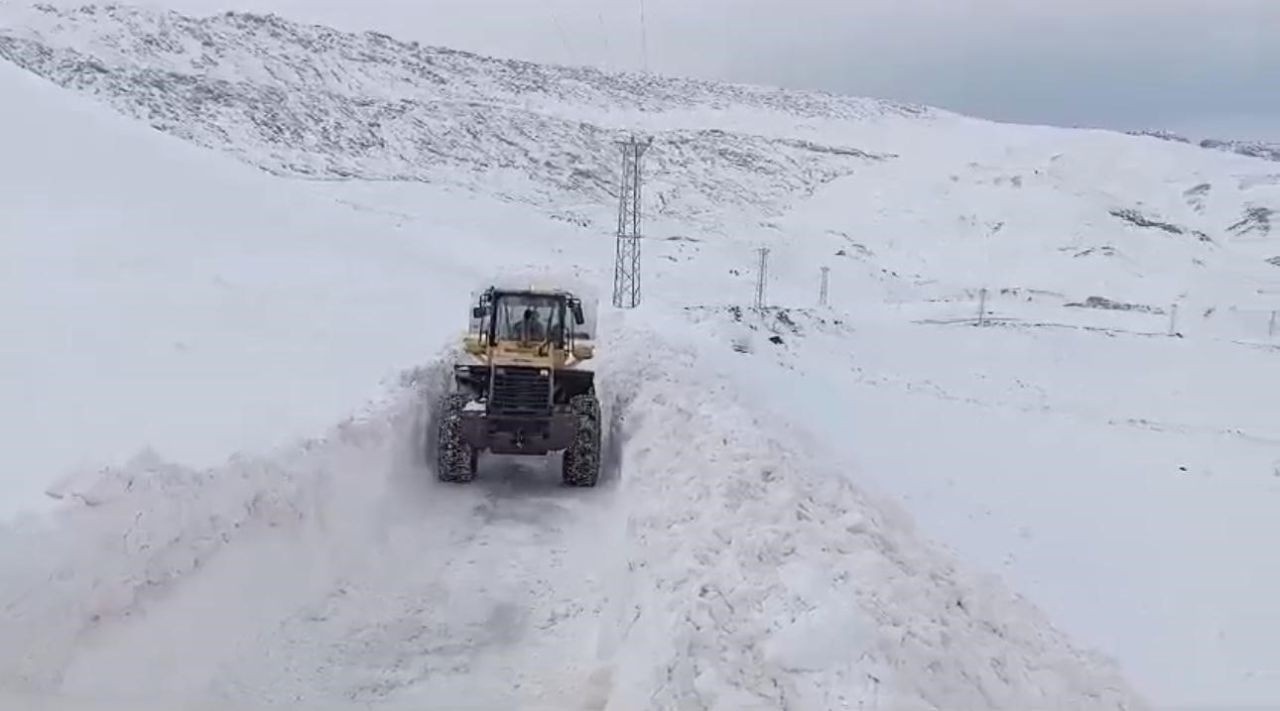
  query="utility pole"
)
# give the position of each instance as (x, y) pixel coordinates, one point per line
(626, 268)
(762, 276)
(822, 290)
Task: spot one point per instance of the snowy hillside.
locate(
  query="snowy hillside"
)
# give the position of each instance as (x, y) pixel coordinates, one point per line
(222, 373)
(309, 101)
(306, 100)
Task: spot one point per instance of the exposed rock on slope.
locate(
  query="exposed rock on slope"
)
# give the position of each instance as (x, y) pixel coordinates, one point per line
(1256, 221)
(1253, 149)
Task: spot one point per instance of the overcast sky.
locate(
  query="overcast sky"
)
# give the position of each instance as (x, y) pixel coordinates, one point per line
(1196, 66)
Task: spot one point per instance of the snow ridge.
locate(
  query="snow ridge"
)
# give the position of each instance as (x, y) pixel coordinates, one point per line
(236, 45)
(143, 527)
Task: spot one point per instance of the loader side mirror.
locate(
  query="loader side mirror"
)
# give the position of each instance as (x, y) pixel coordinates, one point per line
(478, 311)
(577, 313)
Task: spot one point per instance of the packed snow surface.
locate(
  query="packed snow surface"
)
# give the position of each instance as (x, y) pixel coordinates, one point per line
(1025, 456)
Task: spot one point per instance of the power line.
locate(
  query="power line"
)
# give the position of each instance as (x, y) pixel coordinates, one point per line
(644, 39)
(564, 37)
(604, 34)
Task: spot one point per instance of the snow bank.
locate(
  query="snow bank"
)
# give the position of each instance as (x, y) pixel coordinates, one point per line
(1124, 483)
(139, 532)
(760, 577)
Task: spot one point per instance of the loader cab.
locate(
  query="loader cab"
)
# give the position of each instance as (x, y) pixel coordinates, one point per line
(530, 327)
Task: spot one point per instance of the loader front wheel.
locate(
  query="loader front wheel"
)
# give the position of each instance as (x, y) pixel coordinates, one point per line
(455, 459)
(581, 465)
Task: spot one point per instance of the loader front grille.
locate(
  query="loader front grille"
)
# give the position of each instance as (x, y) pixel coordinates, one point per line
(521, 391)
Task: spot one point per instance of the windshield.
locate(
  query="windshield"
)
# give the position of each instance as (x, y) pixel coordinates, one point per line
(527, 318)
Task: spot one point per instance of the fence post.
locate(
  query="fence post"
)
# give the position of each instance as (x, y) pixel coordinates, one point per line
(1271, 330)
(982, 307)
(1173, 319)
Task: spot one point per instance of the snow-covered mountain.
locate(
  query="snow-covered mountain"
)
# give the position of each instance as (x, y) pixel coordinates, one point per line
(870, 504)
(310, 101)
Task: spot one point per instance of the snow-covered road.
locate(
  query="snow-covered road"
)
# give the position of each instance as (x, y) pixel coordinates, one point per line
(716, 566)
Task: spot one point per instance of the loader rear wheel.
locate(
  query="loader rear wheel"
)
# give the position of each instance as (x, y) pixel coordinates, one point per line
(581, 465)
(455, 459)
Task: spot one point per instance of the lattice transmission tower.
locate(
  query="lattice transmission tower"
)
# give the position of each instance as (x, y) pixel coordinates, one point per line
(626, 270)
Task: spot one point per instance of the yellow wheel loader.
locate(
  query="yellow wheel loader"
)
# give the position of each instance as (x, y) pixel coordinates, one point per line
(524, 386)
